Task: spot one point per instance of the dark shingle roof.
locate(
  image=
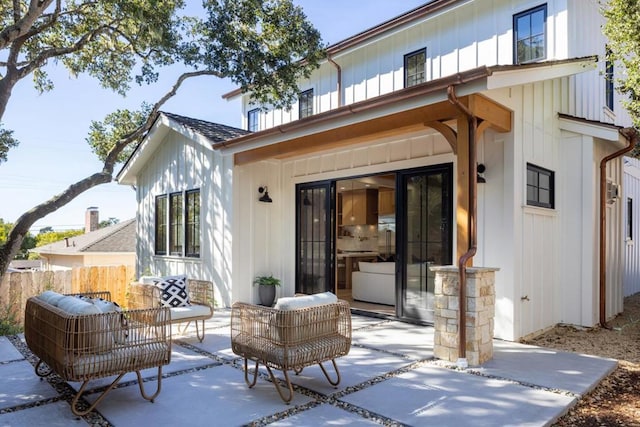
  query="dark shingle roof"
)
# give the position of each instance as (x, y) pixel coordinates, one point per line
(214, 131)
(120, 237)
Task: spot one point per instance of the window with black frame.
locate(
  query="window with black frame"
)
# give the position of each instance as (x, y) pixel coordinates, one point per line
(192, 215)
(540, 187)
(608, 83)
(305, 103)
(530, 33)
(252, 120)
(629, 225)
(177, 224)
(415, 68)
(161, 225)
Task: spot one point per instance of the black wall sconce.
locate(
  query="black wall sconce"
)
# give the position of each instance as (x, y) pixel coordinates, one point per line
(265, 197)
(480, 170)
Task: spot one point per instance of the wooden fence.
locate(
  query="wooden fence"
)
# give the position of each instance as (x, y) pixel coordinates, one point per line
(16, 288)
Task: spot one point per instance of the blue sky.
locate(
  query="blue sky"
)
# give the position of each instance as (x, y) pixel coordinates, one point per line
(52, 127)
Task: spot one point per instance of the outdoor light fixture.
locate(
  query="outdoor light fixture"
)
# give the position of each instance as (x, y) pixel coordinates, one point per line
(480, 169)
(265, 197)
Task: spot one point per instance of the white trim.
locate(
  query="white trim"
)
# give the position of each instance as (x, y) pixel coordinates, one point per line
(595, 130)
(520, 76)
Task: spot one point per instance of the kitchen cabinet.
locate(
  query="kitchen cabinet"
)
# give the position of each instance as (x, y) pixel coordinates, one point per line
(360, 207)
(386, 201)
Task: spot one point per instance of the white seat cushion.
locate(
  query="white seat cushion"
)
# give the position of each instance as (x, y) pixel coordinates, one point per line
(292, 303)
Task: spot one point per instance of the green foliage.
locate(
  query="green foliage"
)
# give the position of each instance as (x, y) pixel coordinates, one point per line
(7, 141)
(108, 222)
(259, 45)
(623, 33)
(266, 281)
(55, 236)
(29, 242)
(117, 125)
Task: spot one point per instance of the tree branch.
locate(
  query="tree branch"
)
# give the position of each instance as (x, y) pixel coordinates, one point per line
(24, 24)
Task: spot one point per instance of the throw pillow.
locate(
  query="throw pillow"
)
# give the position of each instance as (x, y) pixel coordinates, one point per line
(174, 291)
(119, 325)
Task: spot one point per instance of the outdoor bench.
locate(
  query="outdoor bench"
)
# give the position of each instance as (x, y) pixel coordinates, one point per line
(83, 337)
(295, 333)
(195, 303)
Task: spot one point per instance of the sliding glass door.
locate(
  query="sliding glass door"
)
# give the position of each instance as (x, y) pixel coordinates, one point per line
(424, 236)
(315, 231)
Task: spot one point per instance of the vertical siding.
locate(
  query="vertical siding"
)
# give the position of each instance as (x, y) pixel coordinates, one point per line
(473, 34)
(631, 189)
(181, 164)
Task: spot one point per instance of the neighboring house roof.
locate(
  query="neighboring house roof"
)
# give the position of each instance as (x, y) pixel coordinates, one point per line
(117, 238)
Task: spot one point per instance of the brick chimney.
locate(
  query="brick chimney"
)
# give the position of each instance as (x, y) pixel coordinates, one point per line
(91, 219)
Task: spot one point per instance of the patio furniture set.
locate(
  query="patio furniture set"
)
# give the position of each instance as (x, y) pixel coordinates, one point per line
(84, 337)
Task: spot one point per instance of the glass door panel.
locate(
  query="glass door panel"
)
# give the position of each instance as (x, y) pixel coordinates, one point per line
(315, 230)
(425, 236)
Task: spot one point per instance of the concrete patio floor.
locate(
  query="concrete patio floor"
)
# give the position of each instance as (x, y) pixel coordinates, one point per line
(390, 377)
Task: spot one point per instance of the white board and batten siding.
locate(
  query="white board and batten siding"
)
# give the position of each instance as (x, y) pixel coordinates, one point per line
(180, 164)
(631, 244)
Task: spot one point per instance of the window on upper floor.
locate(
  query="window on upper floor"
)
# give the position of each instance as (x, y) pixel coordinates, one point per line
(252, 120)
(305, 104)
(629, 225)
(177, 223)
(415, 67)
(530, 31)
(540, 187)
(608, 82)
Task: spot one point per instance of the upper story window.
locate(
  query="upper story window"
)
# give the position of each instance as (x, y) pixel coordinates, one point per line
(177, 223)
(608, 82)
(530, 30)
(415, 68)
(540, 187)
(252, 120)
(305, 104)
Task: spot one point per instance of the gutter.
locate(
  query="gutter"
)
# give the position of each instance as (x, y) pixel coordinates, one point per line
(631, 135)
(339, 80)
(471, 227)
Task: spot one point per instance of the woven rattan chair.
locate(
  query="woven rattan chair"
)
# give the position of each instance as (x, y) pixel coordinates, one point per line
(145, 295)
(290, 339)
(86, 347)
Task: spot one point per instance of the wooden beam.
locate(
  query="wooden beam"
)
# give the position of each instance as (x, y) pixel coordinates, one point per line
(378, 128)
(446, 131)
(462, 189)
(488, 110)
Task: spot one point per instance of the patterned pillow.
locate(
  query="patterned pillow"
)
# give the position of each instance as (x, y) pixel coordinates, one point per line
(174, 291)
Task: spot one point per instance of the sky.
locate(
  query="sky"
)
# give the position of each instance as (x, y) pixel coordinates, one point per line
(52, 127)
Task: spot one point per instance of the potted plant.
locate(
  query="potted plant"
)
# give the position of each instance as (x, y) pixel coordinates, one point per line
(267, 289)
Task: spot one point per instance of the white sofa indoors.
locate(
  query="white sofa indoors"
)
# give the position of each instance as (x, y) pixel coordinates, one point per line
(375, 282)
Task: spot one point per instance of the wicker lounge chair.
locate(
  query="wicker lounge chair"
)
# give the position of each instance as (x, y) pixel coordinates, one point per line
(84, 345)
(290, 339)
(146, 295)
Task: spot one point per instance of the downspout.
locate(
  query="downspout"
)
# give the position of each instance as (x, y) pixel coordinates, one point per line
(471, 227)
(631, 136)
(339, 83)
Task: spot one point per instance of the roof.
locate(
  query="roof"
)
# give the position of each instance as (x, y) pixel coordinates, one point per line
(215, 132)
(117, 238)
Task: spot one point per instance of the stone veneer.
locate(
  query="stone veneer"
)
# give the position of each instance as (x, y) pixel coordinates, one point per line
(479, 317)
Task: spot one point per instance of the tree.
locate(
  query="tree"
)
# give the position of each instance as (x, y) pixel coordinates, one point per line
(108, 222)
(623, 33)
(28, 242)
(264, 46)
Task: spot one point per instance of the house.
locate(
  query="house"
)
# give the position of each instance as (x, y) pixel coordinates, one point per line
(631, 232)
(108, 246)
(469, 130)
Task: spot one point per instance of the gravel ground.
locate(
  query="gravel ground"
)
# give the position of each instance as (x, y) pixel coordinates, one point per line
(616, 400)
